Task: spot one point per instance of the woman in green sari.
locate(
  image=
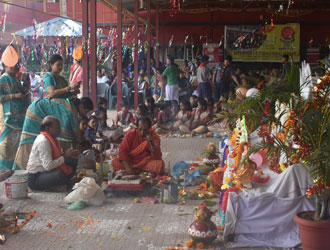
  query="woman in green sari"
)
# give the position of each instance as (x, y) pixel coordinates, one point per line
(67, 111)
(13, 104)
(55, 84)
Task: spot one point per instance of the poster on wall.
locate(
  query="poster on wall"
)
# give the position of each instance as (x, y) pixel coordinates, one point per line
(211, 50)
(262, 43)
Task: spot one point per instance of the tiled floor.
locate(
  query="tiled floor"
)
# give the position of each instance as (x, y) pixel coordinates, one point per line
(118, 224)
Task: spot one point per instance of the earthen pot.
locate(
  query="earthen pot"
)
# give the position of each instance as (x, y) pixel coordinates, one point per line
(203, 231)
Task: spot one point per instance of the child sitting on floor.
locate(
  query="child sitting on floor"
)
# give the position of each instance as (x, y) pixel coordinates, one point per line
(141, 110)
(124, 118)
(83, 127)
(164, 120)
(183, 116)
(174, 109)
(91, 130)
(199, 119)
(193, 101)
(152, 109)
(210, 104)
(103, 103)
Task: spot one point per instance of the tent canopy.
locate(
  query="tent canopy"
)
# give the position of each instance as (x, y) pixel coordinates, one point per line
(55, 27)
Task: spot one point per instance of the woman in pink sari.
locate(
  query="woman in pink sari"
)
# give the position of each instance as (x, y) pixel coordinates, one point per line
(76, 72)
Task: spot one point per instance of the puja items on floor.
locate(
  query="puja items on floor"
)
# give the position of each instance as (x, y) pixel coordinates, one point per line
(211, 155)
(13, 221)
(202, 231)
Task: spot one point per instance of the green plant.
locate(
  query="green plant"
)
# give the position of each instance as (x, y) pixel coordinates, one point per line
(304, 137)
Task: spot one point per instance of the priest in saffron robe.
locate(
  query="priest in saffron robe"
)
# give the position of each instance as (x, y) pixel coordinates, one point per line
(140, 151)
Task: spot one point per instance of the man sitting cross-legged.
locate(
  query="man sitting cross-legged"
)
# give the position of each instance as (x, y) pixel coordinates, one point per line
(47, 166)
(140, 151)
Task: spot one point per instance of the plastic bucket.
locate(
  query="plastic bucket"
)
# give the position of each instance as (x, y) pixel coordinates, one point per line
(16, 186)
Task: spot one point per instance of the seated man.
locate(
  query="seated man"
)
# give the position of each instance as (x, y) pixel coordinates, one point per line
(36, 85)
(47, 166)
(140, 151)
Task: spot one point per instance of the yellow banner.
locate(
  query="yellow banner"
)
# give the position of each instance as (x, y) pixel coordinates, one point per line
(262, 43)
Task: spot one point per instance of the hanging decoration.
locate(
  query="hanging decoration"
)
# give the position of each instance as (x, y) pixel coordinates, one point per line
(146, 45)
(206, 39)
(221, 40)
(186, 39)
(3, 23)
(175, 6)
(16, 42)
(32, 59)
(171, 41)
(99, 51)
(34, 24)
(3, 16)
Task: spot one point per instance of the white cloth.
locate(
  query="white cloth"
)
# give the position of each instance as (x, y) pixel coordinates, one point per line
(103, 79)
(172, 92)
(263, 215)
(35, 81)
(41, 159)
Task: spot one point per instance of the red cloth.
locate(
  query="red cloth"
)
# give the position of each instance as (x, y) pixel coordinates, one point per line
(132, 141)
(56, 152)
(152, 166)
(75, 74)
(137, 152)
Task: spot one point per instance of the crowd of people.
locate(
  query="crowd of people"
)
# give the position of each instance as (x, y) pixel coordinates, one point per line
(179, 100)
(185, 99)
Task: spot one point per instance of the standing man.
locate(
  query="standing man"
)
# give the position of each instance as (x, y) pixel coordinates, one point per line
(286, 67)
(170, 78)
(36, 85)
(216, 80)
(204, 77)
(226, 78)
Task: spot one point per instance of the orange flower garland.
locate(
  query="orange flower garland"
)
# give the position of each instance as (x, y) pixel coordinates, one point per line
(25, 221)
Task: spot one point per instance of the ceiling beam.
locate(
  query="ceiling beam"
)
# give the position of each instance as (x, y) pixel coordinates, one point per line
(113, 6)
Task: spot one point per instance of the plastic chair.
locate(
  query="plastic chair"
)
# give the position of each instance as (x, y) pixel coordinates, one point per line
(113, 93)
(102, 90)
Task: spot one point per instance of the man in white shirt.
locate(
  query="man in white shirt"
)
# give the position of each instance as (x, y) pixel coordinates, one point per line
(36, 85)
(101, 77)
(47, 166)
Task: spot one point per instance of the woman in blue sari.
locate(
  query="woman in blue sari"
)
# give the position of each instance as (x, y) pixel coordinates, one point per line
(67, 111)
(14, 102)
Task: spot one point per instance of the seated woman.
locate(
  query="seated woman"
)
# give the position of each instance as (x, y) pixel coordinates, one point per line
(47, 166)
(164, 121)
(124, 118)
(140, 151)
(141, 111)
(174, 109)
(210, 104)
(83, 127)
(199, 119)
(68, 112)
(183, 116)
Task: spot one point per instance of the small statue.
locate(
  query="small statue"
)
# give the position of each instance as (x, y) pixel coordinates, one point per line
(203, 229)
